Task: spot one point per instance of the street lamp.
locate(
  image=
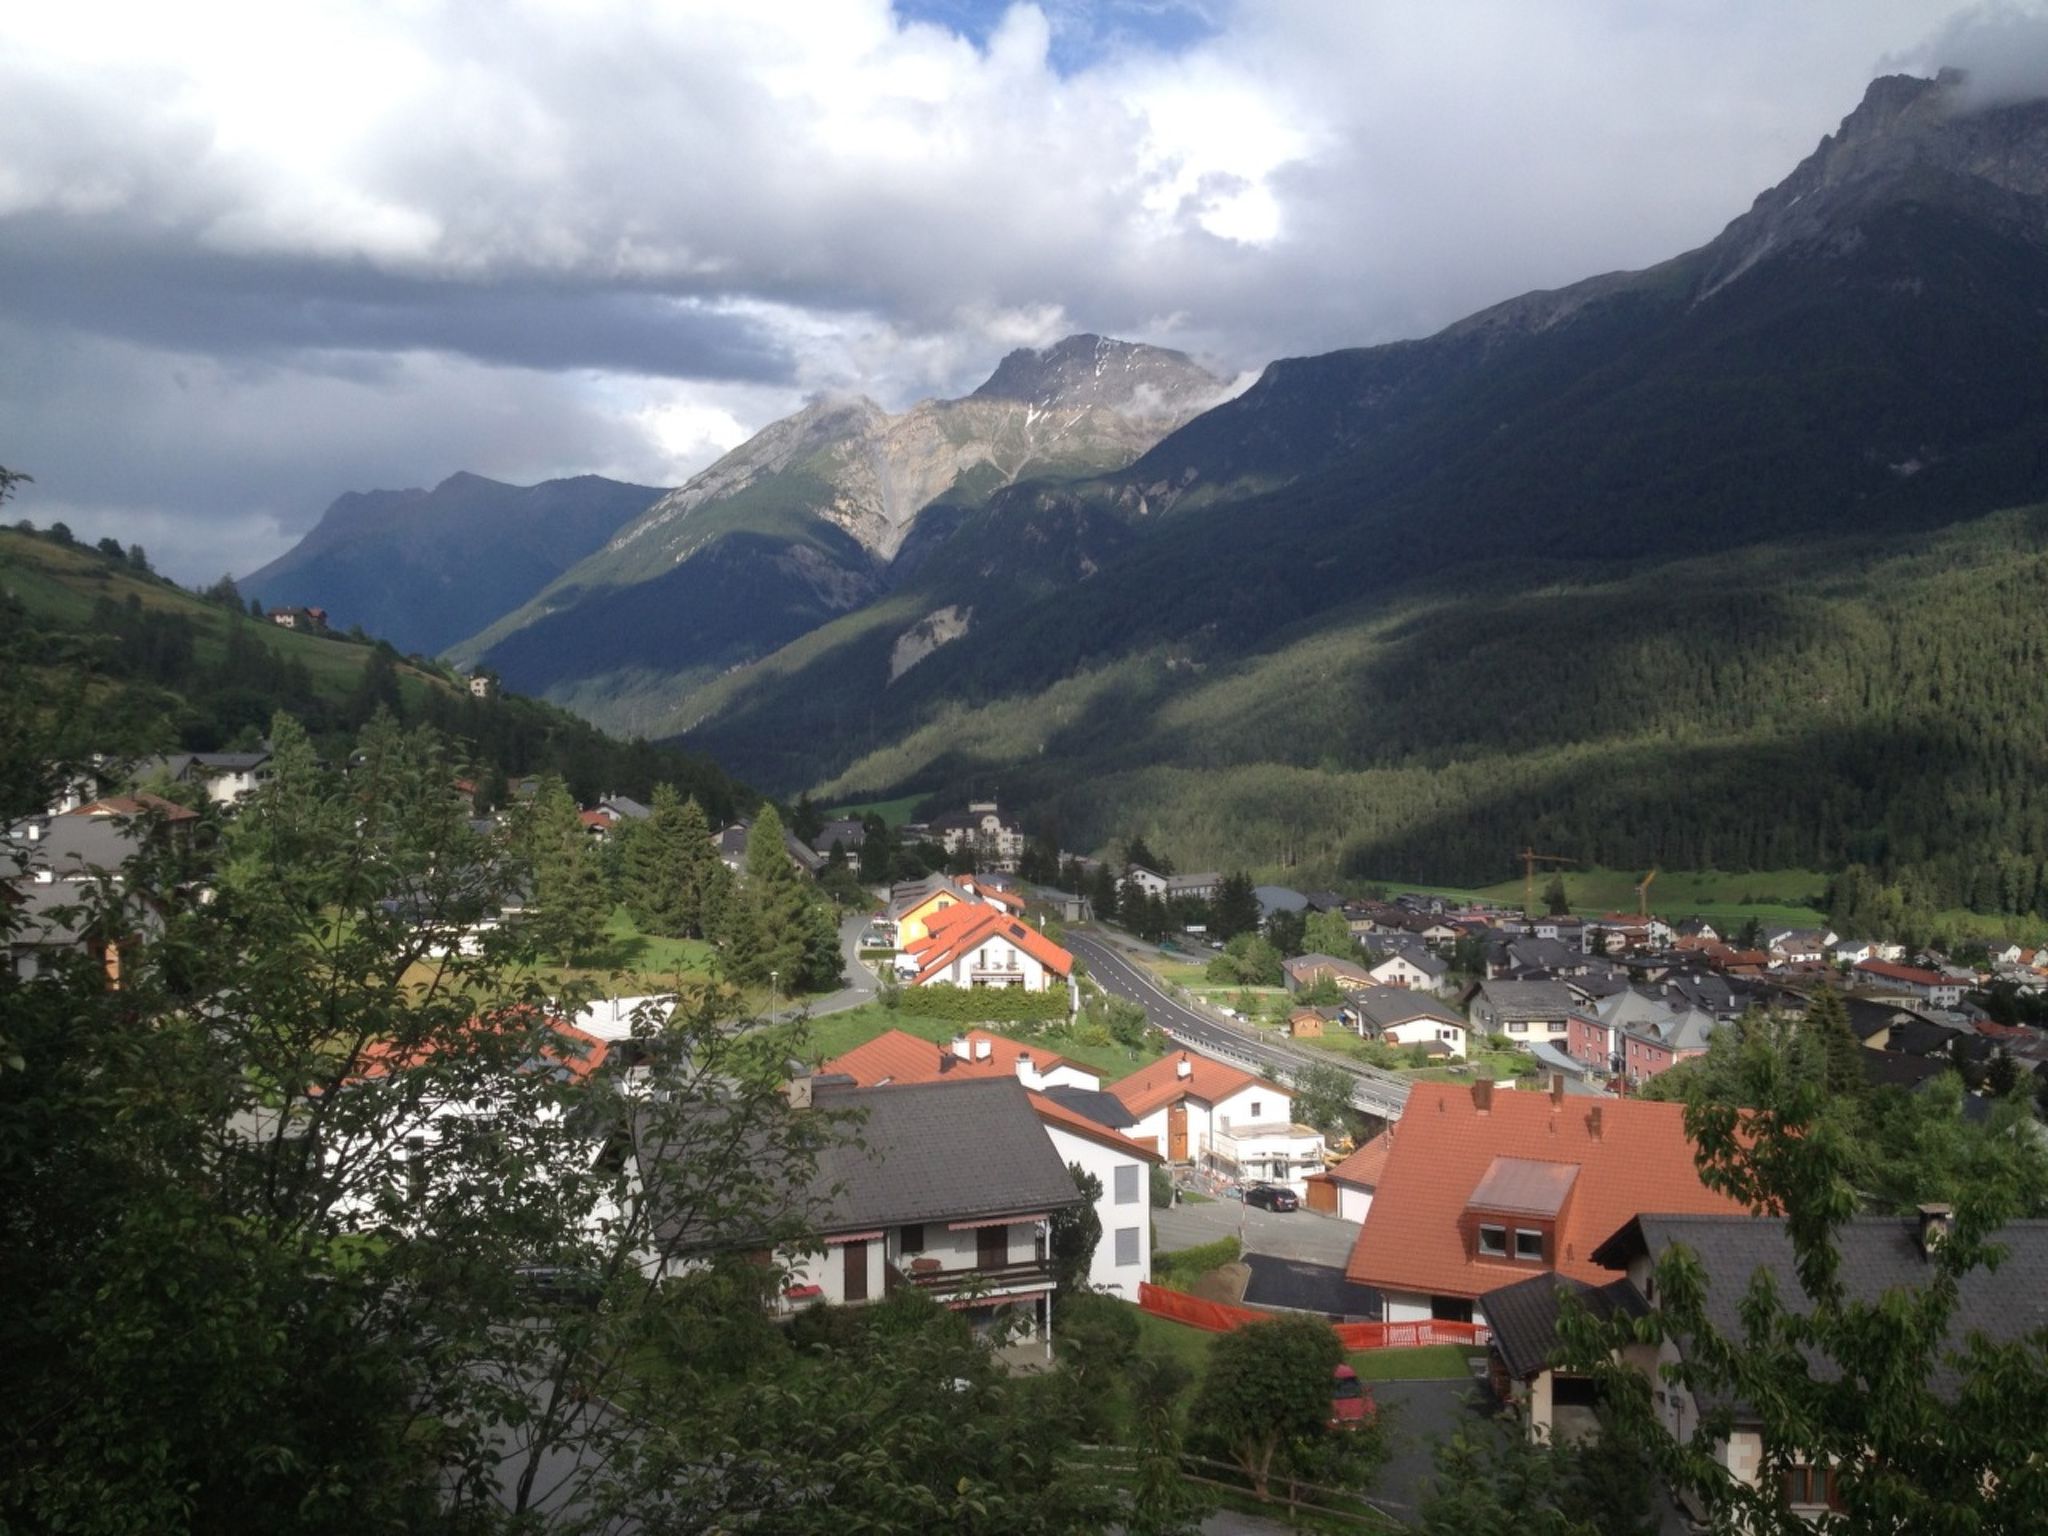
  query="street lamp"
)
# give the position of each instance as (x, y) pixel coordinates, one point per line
(774, 977)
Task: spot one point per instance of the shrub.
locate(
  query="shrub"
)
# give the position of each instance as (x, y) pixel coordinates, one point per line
(981, 1005)
(1180, 1269)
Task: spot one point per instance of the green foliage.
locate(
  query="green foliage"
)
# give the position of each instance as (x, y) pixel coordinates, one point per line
(779, 932)
(1236, 909)
(1264, 1404)
(570, 902)
(1327, 933)
(1555, 900)
(1247, 960)
(1322, 1097)
(1076, 1232)
(1160, 1185)
(667, 865)
(1925, 1433)
(1492, 1481)
(981, 1005)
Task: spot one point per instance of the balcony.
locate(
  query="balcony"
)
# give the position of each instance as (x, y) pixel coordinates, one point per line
(997, 1280)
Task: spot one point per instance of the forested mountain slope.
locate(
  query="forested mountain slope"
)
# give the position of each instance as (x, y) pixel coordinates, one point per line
(424, 568)
(1691, 565)
(123, 662)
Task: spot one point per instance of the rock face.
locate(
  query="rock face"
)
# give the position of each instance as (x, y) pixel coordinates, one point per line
(827, 496)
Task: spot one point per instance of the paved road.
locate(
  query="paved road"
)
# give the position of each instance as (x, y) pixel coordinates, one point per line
(1303, 1235)
(860, 987)
(1377, 1093)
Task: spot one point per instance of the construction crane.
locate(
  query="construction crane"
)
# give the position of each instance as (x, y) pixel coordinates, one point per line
(1530, 859)
(1643, 892)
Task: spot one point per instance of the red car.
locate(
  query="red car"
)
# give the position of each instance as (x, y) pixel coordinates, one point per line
(1350, 1402)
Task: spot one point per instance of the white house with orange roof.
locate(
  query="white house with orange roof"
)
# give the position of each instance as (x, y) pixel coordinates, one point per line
(1200, 1111)
(1084, 1124)
(973, 945)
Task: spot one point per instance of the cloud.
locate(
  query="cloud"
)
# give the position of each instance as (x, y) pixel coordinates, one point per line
(2001, 49)
(268, 253)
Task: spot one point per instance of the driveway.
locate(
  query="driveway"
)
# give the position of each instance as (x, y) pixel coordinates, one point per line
(1305, 1235)
(1421, 1415)
(1297, 1286)
(860, 986)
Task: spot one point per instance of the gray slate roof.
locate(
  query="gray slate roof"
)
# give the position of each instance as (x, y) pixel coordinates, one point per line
(1879, 1254)
(1523, 1316)
(1526, 1000)
(939, 1152)
(1384, 1007)
(1097, 1104)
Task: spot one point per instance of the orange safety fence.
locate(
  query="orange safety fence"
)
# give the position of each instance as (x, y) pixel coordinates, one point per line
(1220, 1317)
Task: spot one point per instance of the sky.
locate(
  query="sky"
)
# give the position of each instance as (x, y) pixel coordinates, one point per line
(255, 255)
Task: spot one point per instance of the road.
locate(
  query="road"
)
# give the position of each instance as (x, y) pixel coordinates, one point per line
(1376, 1093)
(860, 987)
(1302, 1235)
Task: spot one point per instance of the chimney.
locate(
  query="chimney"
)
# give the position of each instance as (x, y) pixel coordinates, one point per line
(1027, 1070)
(1482, 1095)
(963, 1048)
(1593, 1122)
(1556, 1092)
(1183, 1069)
(799, 1091)
(983, 1050)
(1934, 1220)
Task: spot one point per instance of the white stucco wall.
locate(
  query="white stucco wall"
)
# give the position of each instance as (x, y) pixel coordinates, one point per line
(1103, 1161)
(1353, 1204)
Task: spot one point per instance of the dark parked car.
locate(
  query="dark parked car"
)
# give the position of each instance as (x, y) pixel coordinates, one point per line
(1272, 1197)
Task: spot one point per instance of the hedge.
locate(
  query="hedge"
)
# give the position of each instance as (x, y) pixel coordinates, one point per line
(980, 1005)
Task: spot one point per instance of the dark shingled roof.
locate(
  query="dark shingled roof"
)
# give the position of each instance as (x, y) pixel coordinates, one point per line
(1523, 1316)
(1097, 1104)
(1878, 1253)
(949, 1151)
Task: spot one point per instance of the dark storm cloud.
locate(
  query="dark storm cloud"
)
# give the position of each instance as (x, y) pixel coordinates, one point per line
(114, 281)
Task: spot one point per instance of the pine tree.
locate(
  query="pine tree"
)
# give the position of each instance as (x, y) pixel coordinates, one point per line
(570, 904)
(1237, 908)
(771, 927)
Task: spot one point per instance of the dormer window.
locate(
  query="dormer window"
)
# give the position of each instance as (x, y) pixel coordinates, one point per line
(1493, 1240)
(1528, 1244)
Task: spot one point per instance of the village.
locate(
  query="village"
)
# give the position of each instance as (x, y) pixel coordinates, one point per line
(1435, 1127)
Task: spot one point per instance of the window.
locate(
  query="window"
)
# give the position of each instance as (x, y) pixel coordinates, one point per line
(1127, 1245)
(1518, 1026)
(1811, 1487)
(1254, 1111)
(1493, 1240)
(913, 1238)
(1528, 1244)
(1127, 1184)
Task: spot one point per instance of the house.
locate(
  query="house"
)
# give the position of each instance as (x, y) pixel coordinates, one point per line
(1197, 1110)
(1942, 991)
(1305, 971)
(1416, 969)
(982, 831)
(1880, 1256)
(1084, 1125)
(972, 945)
(1521, 1010)
(914, 903)
(1798, 945)
(846, 832)
(949, 1189)
(483, 686)
(1483, 1188)
(986, 891)
(1195, 887)
(731, 845)
(227, 777)
(1403, 1016)
(1346, 1189)
(307, 620)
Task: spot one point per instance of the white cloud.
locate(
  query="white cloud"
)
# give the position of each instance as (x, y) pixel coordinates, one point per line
(555, 235)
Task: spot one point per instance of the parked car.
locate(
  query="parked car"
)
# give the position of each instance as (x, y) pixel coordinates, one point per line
(1350, 1402)
(1272, 1197)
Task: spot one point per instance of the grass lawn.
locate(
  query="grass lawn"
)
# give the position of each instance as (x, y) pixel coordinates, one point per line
(1770, 896)
(840, 1032)
(1433, 1362)
(894, 812)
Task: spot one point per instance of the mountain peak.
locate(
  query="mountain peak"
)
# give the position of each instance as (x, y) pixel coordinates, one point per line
(1090, 370)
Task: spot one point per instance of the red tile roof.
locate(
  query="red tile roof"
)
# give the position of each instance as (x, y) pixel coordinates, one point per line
(1365, 1166)
(1886, 971)
(136, 805)
(960, 928)
(570, 1048)
(896, 1057)
(1632, 1155)
(1161, 1083)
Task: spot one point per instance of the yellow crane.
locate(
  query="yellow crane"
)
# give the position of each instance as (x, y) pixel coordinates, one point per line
(1530, 859)
(1643, 892)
